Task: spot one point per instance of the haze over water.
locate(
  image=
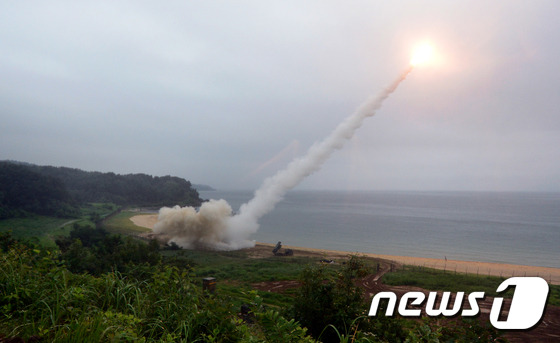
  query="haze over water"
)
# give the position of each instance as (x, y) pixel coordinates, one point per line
(517, 228)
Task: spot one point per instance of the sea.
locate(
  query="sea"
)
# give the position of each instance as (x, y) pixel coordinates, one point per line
(508, 227)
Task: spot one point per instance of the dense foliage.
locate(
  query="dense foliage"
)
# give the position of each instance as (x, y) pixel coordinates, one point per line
(95, 251)
(56, 191)
(24, 190)
(145, 299)
(130, 189)
(332, 307)
(41, 300)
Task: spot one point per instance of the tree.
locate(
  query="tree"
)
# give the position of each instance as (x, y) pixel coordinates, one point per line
(332, 306)
(95, 251)
(327, 303)
(23, 190)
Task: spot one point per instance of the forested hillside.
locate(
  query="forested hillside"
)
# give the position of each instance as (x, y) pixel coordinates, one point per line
(25, 190)
(56, 190)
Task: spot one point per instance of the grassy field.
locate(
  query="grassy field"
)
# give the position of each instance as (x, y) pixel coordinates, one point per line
(93, 212)
(37, 228)
(235, 265)
(235, 268)
(44, 230)
(237, 274)
(120, 223)
(434, 279)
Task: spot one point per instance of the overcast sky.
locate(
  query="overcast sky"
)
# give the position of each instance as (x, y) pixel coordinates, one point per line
(228, 92)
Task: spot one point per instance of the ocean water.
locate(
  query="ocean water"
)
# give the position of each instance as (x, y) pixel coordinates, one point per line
(517, 228)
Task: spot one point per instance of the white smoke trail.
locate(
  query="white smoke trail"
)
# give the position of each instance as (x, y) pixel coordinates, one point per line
(232, 232)
(274, 188)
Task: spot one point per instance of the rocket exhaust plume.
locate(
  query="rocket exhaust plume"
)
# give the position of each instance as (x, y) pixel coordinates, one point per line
(214, 226)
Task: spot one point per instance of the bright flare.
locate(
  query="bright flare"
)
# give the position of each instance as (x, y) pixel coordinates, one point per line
(422, 54)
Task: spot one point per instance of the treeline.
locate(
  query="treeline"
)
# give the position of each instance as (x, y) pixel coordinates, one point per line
(23, 190)
(96, 251)
(57, 190)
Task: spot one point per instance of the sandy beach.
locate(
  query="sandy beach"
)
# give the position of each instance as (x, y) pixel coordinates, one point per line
(552, 275)
(145, 220)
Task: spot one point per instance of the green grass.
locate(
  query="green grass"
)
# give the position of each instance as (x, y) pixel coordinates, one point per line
(235, 265)
(39, 297)
(257, 270)
(41, 228)
(434, 279)
(240, 295)
(554, 295)
(120, 223)
(44, 230)
(94, 211)
(439, 280)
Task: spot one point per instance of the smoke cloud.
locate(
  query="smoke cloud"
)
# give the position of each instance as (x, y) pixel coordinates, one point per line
(191, 229)
(214, 226)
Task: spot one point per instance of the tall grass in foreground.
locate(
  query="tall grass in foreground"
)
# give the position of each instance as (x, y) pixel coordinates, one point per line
(40, 298)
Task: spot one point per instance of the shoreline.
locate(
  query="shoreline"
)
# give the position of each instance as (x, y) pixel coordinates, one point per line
(551, 275)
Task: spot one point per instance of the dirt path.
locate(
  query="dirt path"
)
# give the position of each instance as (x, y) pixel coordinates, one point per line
(68, 223)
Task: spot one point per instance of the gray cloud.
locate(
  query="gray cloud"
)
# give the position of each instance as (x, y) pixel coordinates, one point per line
(210, 91)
